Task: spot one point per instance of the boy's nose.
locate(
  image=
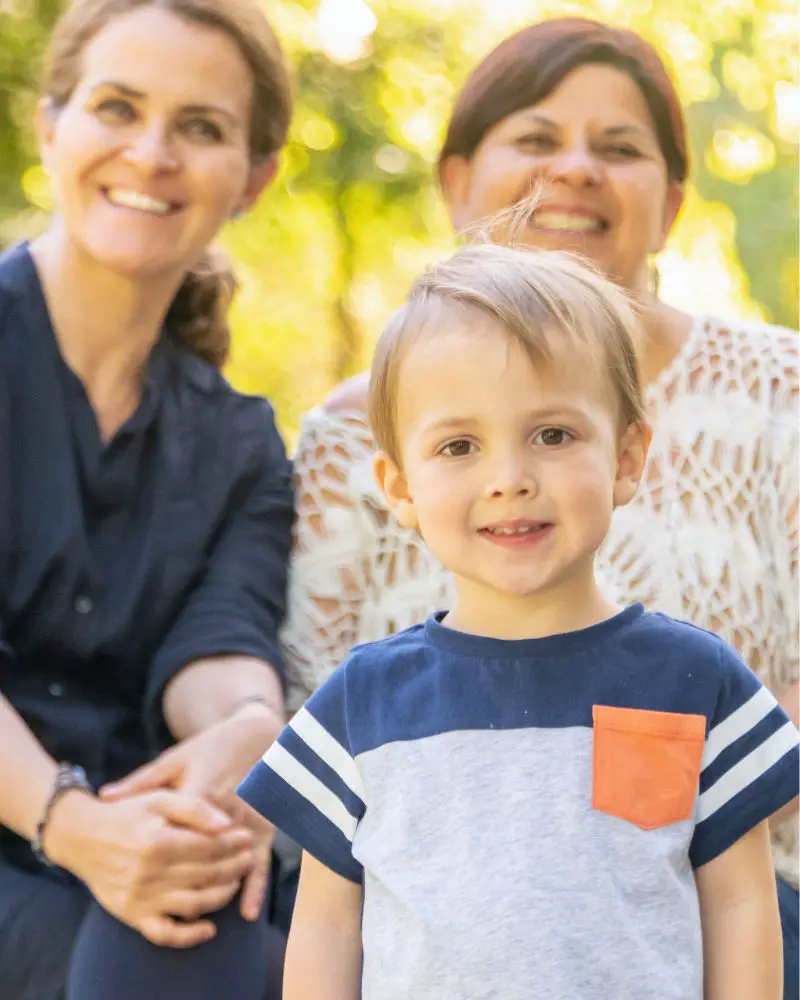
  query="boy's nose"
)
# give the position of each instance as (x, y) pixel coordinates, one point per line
(511, 480)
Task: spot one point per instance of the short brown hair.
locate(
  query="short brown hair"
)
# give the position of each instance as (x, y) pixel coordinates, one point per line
(528, 66)
(541, 297)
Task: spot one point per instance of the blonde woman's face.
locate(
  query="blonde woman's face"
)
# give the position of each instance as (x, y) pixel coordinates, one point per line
(592, 145)
(151, 153)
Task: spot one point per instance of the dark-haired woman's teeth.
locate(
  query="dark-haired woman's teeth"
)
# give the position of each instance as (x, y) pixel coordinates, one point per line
(565, 221)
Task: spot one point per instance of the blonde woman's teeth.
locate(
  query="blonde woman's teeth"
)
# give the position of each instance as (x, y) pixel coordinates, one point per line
(135, 200)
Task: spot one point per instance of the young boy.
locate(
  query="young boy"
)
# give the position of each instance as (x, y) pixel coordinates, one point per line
(535, 794)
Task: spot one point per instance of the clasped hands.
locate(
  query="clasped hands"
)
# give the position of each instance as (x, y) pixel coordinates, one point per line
(171, 843)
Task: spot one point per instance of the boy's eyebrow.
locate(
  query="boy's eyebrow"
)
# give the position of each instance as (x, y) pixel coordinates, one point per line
(556, 411)
(449, 423)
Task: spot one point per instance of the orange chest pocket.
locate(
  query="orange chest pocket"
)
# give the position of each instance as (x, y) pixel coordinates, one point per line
(646, 765)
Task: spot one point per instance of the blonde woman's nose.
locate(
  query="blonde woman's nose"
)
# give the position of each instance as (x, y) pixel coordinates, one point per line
(150, 150)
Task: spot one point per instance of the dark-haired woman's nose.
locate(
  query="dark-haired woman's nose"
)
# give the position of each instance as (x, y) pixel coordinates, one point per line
(576, 166)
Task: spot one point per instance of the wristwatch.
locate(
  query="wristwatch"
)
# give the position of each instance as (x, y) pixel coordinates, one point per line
(68, 776)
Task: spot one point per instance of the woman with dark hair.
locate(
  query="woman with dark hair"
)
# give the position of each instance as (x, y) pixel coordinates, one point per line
(145, 521)
(589, 113)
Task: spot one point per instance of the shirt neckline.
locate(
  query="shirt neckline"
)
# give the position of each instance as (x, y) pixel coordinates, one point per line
(156, 369)
(564, 644)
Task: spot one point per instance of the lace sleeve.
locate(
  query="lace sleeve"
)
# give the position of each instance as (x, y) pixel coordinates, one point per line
(330, 567)
(785, 469)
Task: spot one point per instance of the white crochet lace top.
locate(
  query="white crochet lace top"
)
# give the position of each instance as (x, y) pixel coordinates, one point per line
(710, 538)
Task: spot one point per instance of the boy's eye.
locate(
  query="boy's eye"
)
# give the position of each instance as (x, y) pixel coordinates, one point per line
(457, 449)
(551, 437)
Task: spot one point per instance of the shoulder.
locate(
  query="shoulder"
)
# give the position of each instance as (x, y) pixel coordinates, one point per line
(761, 359)
(385, 666)
(349, 397)
(338, 428)
(17, 281)
(365, 656)
(681, 642)
(374, 673)
(242, 421)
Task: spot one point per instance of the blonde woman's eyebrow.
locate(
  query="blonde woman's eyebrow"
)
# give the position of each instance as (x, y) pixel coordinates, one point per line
(122, 88)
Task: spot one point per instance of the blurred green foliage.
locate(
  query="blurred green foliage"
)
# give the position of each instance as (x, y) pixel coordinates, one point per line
(355, 213)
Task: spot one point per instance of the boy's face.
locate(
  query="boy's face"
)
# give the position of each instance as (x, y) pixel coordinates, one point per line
(510, 473)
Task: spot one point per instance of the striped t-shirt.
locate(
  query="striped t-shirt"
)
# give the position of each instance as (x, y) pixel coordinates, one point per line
(525, 816)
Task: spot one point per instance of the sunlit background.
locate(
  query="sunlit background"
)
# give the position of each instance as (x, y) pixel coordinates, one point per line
(356, 214)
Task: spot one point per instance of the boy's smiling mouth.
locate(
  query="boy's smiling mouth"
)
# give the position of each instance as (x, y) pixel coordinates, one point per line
(516, 532)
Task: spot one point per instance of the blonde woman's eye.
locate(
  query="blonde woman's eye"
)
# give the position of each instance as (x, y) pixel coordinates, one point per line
(552, 437)
(457, 449)
(116, 109)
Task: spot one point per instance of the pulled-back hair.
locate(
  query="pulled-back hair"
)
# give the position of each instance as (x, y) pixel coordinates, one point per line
(198, 315)
(545, 300)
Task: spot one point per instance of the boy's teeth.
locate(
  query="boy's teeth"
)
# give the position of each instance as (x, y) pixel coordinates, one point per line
(514, 531)
(563, 220)
(142, 202)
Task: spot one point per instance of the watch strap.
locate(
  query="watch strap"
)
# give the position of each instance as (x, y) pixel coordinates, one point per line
(68, 776)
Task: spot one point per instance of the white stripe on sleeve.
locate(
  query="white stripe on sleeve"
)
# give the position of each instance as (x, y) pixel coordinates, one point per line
(311, 788)
(737, 724)
(328, 749)
(748, 770)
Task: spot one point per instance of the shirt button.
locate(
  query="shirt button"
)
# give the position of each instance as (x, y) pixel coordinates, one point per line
(83, 604)
(55, 689)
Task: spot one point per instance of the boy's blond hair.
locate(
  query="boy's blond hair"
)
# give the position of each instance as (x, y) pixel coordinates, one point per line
(545, 299)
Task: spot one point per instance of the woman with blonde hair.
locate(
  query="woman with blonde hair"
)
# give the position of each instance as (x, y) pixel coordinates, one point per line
(145, 521)
(589, 112)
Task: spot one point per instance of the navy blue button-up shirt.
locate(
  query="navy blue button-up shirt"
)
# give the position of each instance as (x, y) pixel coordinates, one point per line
(121, 562)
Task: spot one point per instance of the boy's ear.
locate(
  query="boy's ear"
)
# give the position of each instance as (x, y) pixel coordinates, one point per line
(631, 458)
(392, 484)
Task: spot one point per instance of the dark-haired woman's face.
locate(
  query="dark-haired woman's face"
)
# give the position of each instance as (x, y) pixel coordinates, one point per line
(593, 144)
(151, 153)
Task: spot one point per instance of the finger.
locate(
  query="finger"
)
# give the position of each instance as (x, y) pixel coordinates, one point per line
(203, 876)
(254, 888)
(177, 845)
(159, 773)
(193, 812)
(168, 933)
(243, 814)
(193, 903)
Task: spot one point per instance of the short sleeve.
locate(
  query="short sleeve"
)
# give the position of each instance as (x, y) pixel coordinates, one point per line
(309, 785)
(750, 762)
